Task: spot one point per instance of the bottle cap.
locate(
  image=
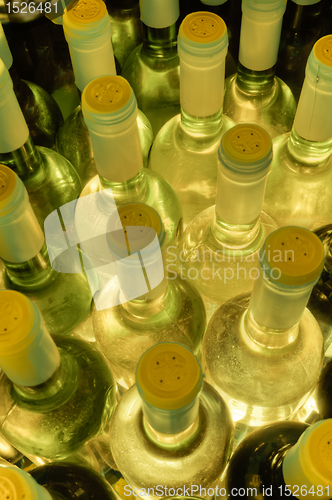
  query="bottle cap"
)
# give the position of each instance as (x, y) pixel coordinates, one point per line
(246, 148)
(323, 50)
(158, 13)
(15, 484)
(7, 183)
(5, 53)
(203, 34)
(265, 5)
(85, 12)
(292, 256)
(110, 97)
(134, 227)
(168, 376)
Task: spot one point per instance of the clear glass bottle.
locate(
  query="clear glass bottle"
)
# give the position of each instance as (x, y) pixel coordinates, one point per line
(50, 179)
(40, 111)
(126, 27)
(63, 299)
(185, 149)
(264, 352)
(56, 482)
(152, 69)
(254, 94)
(283, 460)
(57, 393)
(110, 110)
(88, 33)
(302, 26)
(130, 315)
(176, 429)
(298, 187)
(219, 251)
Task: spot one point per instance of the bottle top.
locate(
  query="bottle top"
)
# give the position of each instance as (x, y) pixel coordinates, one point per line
(16, 484)
(295, 254)
(265, 5)
(16, 322)
(323, 50)
(203, 34)
(168, 376)
(159, 14)
(108, 100)
(246, 148)
(85, 12)
(135, 227)
(12, 191)
(5, 53)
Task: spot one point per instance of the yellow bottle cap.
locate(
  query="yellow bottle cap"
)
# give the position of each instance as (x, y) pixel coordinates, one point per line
(137, 217)
(246, 143)
(323, 50)
(203, 27)
(7, 182)
(13, 486)
(168, 376)
(318, 451)
(16, 321)
(106, 94)
(296, 255)
(85, 11)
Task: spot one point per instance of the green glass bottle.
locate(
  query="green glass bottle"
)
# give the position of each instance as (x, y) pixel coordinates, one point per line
(186, 148)
(57, 393)
(177, 428)
(126, 27)
(302, 27)
(63, 299)
(298, 187)
(131, 314)
(219, 251)
(40, 111)
(264, 352)
(56, 482)
(152, 69)
(88, 33)
(50, 179)
(323, 392)
(110, 110)
(280, 461)
(255, 94)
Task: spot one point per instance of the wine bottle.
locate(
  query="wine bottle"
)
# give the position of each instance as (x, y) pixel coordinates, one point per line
(185, 149)
(264, 352)
(171, 421)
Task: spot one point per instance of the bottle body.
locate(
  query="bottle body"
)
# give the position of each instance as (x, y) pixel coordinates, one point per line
(57, 418)
(260, 384)
(152, 465)
(73, 142)
(126, 331)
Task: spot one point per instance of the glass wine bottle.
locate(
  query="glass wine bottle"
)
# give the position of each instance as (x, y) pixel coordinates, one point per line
(302, 27)
(130, 314)
(63, 299)
(88, 33)
(255, 94)
(40, 111)
(298, 187)
(110, 111)
(126, 27)
(50, 179)
(186, 148)
(219, 251)
(264, 352)
(280, 461)
(170, 422)
(152, 69)
(323, 392)
(55, 482)
(57, 393)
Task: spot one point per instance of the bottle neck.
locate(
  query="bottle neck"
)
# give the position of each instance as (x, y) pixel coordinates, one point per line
(160, 42)
(201, 130)
(172, 440)
(156, 301)
(26, 162)
(255, 82)
(301, 16)
(308, 154)
(32, 275)
(122, 192)
(234, 236)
